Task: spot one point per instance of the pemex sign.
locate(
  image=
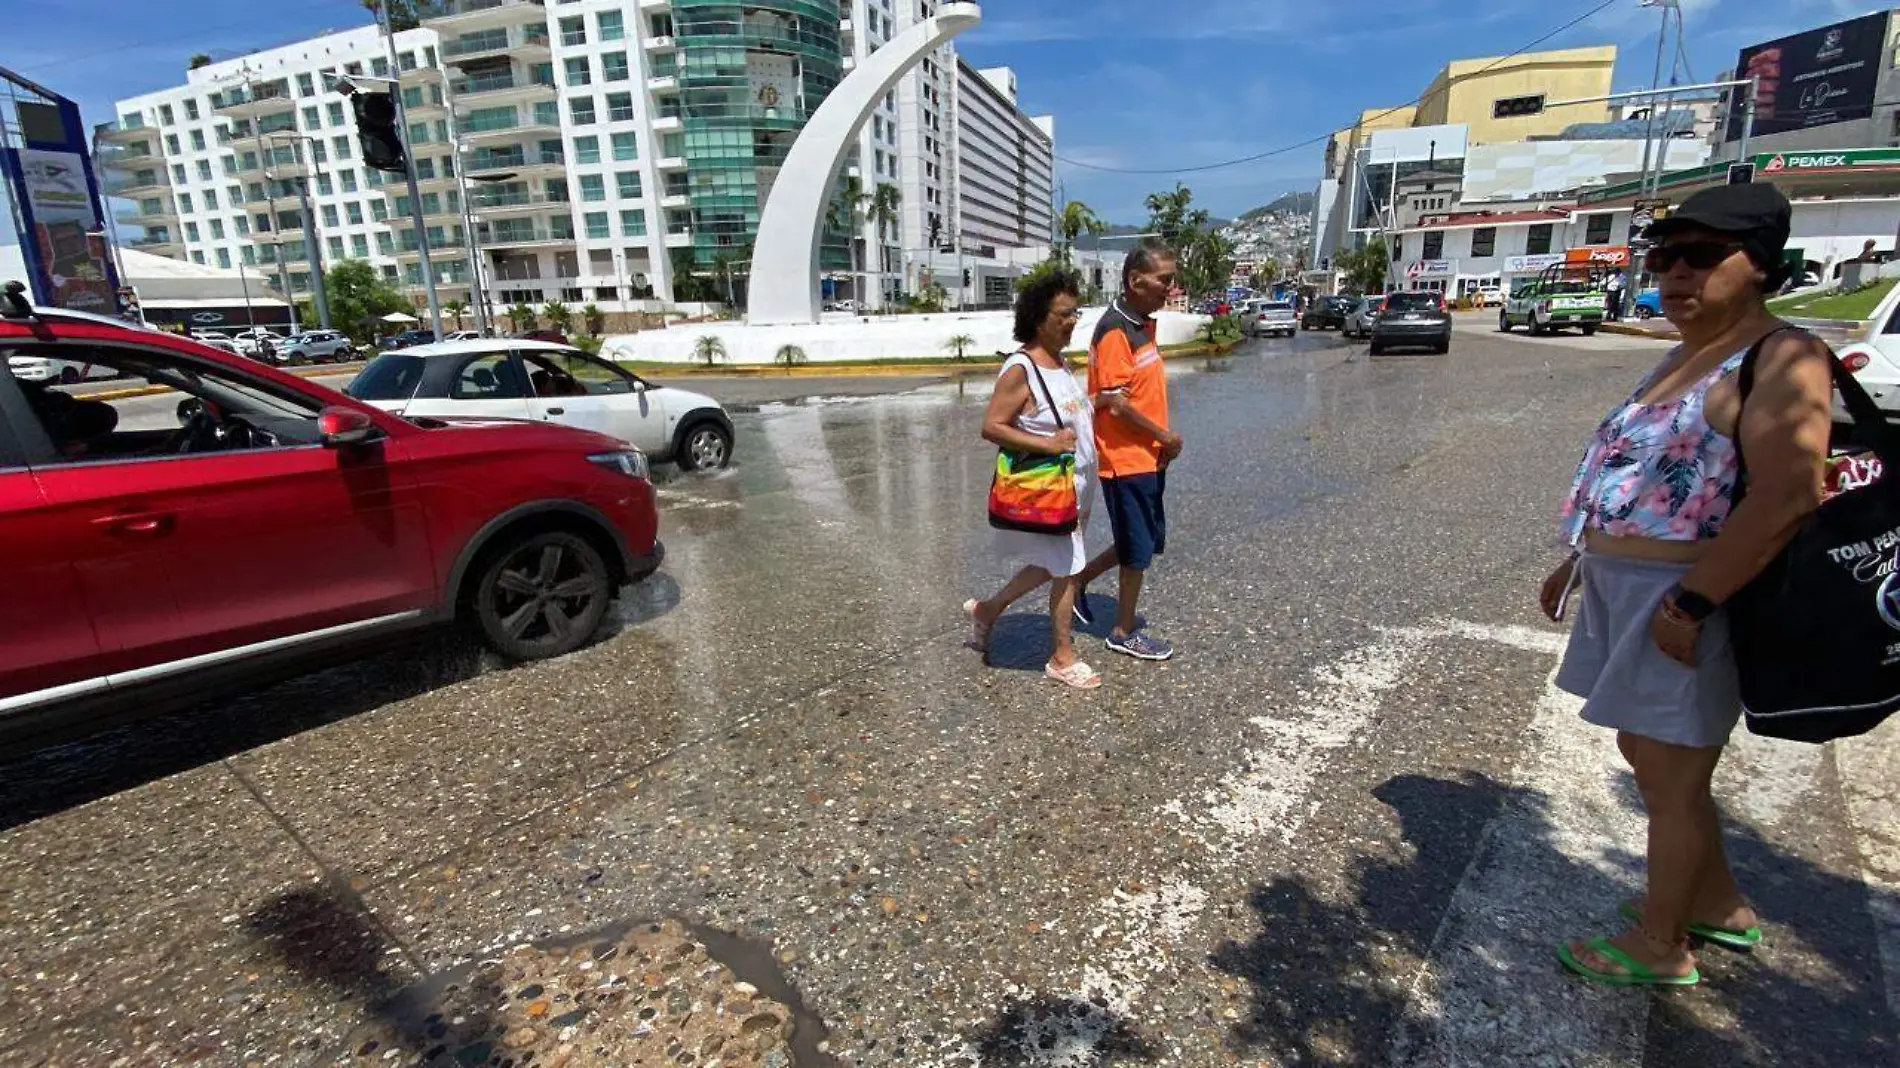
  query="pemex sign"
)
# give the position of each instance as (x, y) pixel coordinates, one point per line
(1796, 162)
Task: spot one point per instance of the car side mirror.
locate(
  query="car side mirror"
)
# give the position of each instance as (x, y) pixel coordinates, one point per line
(342, 428)
(188, 409)
(639, 386)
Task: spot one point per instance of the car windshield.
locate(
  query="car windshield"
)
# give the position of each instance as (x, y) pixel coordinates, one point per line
(1412, 302)
(1277, 305)
(391, 376)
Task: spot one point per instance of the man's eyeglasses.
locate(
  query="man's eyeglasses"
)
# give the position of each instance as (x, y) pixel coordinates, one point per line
(1699, 255)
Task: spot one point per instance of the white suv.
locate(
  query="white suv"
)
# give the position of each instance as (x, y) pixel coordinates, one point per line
(316, 346)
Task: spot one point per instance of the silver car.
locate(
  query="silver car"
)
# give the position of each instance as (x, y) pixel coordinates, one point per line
(1359, 321)
(1273, 317)
(316, 346)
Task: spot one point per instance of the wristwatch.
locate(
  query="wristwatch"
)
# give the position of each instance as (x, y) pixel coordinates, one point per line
(1691, 604)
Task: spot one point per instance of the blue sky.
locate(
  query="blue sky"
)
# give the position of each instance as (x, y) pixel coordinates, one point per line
(1132, 83)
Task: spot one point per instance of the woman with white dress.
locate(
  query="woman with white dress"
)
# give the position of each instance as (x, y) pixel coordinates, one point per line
(1035, 386)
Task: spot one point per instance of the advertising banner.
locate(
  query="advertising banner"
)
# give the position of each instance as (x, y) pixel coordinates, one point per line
(1815, 78)
(1531, 264)
(1607, 255)
(56, 200)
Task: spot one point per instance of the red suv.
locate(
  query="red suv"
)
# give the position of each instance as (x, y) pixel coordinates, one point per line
(213, 521)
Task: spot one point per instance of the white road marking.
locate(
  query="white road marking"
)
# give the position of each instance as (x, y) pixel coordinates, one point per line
(1869, 769)
(1491, 991)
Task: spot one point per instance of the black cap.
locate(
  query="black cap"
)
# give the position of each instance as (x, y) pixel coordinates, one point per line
(1755, 212)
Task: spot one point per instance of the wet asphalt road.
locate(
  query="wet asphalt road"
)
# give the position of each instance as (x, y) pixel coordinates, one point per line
(1345, 826)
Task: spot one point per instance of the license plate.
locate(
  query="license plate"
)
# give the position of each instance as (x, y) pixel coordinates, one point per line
(1411, 315)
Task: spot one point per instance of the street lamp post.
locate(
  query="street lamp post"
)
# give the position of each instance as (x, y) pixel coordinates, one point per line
(409, 170)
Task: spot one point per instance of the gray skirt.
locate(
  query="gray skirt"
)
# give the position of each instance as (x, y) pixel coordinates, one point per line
(1626, 682)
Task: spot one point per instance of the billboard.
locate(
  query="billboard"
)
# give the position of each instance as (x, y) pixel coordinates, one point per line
(56, 201)
(1815, 78)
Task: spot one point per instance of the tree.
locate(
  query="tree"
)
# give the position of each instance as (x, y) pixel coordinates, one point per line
(710, 348)
(1205, 263)
(847, 216)
(959, 345)
(456, 309)
(885, 203)
(558, 315)
(1077, 219)
(1365, 269)
(790, 355)
(402, 14)
(198, 60)
(1052, 265)
(595, 319)
(359, 298)
(521, 317)
(688, 286)
(1172, 217)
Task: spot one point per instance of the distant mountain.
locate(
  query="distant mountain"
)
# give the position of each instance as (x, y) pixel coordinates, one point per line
(1290, 204)
(1123, 230)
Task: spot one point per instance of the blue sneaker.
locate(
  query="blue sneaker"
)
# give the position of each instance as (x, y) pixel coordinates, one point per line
(1141, 646)
(1083, 613)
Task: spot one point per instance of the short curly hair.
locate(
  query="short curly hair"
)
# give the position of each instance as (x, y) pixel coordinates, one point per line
(1036, 298)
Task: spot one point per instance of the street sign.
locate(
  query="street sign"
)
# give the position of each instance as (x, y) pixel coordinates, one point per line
(1741, 173)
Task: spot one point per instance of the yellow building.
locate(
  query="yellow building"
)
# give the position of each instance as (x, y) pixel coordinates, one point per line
(1467, 88)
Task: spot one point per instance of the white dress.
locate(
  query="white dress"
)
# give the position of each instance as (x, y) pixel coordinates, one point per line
(1059, 554)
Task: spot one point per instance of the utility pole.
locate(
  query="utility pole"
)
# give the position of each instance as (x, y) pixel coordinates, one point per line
(314, 253)
(270, 202)
(1645, 186)
(409, 170)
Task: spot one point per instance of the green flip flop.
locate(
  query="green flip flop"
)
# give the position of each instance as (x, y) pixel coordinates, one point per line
(1635, 972)
(1739, 939)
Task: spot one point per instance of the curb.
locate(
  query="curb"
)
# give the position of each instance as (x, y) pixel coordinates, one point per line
(874, 369)
(1636, 331)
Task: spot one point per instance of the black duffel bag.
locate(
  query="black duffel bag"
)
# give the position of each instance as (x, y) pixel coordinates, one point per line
(1817, 633)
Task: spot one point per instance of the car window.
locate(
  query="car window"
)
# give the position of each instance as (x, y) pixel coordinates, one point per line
(1893, 321)
(1412, 302)
(490, 376)
(574, 374)
(199, 408)
(391, 376)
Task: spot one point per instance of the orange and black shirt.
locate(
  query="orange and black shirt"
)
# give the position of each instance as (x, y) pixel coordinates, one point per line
(1124, 358)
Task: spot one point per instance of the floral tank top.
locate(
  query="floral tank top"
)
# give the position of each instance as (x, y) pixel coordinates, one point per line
(1657, 470)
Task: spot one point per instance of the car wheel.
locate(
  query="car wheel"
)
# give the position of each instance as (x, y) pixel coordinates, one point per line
(1589, 329)
(1643, 312)
(542, 596)
(68, 375)
(1443, 347)
(1504, 322)
(706, 447)
(1377, 349)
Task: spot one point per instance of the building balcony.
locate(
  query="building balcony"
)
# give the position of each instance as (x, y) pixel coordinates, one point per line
(518, 203)
(449, 17)
(494, 236)
(133, 155)
(160, 244)
(535, 128)
(123, 131)
(657, 45)
(677, 200)
(399, 214)
(133, 186)
(421, 74)
(501, 87)
(679, 239)
(662, 83)
(257, 102)
(667, 124)
(285, 166)
(524, 164)
(655, 7)
(164, 215)
(671, 163)
(528, 45)
(407, 250)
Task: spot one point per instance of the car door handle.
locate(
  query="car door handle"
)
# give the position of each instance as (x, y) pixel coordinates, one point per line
(557, 411)
(139, 523)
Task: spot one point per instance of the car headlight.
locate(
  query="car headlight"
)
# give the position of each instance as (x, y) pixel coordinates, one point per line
(629, 462)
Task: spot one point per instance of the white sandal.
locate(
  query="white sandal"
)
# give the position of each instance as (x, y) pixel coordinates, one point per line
(979, 630)
(1078, 675)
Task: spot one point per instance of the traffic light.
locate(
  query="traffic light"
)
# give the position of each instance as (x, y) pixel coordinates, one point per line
(966, 278)
(936, 229)
(1512, 107)
(376, 132)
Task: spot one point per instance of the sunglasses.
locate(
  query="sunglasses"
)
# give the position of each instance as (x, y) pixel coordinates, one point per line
(1699, 255)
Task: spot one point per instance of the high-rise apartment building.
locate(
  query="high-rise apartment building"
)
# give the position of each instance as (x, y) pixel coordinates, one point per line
(584, 150)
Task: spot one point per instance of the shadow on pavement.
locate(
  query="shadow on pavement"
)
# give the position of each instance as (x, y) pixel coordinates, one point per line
(133, 752)
(1322, 969)
(1030, 1031)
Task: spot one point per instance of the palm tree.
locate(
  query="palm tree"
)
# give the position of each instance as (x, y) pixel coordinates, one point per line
(959, 344)
(457, 308)
(521, 317)
(885, 202)
(1077, 219)
(790, 355)
(558, 315)
(709, 348)
(847, 214)
(595, 319)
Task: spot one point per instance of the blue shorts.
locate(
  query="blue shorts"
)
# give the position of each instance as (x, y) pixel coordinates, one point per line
(1138, 518)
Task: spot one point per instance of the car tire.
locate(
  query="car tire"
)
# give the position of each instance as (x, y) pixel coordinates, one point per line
(1504, 322)
(68, 376)
(1643, 312)
(704, 446)
(1442, 347)
(1377, 349)
(542, 595)
(1589, 330)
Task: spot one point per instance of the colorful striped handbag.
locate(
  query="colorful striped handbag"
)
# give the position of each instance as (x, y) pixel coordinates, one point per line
(1034, 491)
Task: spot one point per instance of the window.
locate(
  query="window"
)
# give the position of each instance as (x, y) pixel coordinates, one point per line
(306, 86)
(612, 27)
(336, 248)
(165, 114)
(243, 227)
(633, 223)
(335, 112)
(348, 178)
(359, 246)
(593, 188)
(171, 144)
(579, 72)
(587, 149)
(379, 67)
(574, 31)
(204, 170)
(1434, 246)
(546, 113)
(596, 223)
(582, 109)
(324, 186)
(353, 211)
(197, 140)
(385, 243)
(178, 173)
(1484, 241)
(1597, 229)
(613, 67)
(312, 117)
(379, 210)
(626, 147)
(184, 203)
(627, 184)
(1538, 241)
(574, 374)
(217, 229)
(341, 145)
(234, 194)
(318, 153)
(619, 107)
(191, 109)
(191, 231)
(224, 258)
(490, 376)
(330, 216)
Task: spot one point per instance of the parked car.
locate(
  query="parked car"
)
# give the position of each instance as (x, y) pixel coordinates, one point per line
(1273, 317)
(285, 524)
(257, 343)
(38, 368)
(553, 337)
(848, 306)
(1327, 312)
(219, 342)
(1487, 297)
(539, 380)
(1647, 305)
(316, 346)
(1412, 319)
(1359, 322)
(464, 335)
(1874, 356)
(408, 338)
(1564, 294)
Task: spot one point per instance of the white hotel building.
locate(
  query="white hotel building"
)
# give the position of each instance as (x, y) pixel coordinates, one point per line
(605, 147)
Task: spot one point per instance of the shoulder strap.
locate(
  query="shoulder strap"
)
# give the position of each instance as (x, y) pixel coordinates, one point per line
(1870, 425)
(1050, 397)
